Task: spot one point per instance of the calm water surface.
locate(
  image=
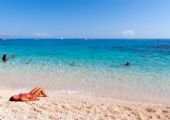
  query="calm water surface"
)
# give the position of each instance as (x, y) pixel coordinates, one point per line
(91, 67)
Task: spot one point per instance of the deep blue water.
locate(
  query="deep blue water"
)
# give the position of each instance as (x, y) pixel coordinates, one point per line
(76, 64)
(143, 54)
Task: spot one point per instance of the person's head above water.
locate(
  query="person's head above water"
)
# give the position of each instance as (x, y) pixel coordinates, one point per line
(4, 58)
(127, 64)
(12, 56)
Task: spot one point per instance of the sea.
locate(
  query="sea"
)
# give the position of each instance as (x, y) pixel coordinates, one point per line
(92, 67)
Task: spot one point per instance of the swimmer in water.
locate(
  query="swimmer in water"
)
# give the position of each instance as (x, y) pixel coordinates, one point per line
(127, 64)
(4, 57)
(12, 56)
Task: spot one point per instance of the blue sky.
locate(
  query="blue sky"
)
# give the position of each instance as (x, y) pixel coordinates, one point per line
(85, 18)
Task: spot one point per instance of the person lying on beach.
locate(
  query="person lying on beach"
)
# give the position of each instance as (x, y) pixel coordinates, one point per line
(4, 57)
(31, 96)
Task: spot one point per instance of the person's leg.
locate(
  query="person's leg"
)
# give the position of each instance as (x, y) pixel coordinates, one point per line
(34, 90)
(43, 93)
(39, 92)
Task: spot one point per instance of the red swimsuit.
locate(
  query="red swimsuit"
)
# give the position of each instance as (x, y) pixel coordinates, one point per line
(26, 95)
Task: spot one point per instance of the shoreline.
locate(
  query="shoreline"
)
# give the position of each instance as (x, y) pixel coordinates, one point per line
(75, 106)
(121, 95)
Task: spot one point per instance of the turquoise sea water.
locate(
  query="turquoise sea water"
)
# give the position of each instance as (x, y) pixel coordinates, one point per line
(92, 67)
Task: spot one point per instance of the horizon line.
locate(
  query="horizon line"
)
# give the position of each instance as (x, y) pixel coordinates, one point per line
(62, 38)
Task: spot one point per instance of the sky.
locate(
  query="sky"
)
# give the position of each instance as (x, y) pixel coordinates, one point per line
(85, 18)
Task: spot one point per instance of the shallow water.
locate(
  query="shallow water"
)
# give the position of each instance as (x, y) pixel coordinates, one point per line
(92, 67)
